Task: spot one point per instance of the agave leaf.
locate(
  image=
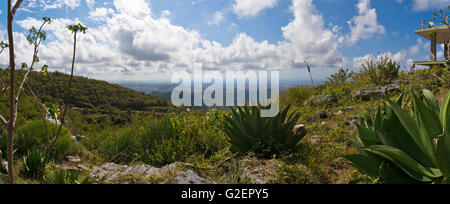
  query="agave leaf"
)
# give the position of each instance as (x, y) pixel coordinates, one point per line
(400, 99)
(429, 125)
(406, 163)
(395, 135)
(358, 147)
(445, 112)
(391, 174)
(378, 122)
(431, 100)
(443, 155)
(367, 136)
(407, 122)
(366, 164)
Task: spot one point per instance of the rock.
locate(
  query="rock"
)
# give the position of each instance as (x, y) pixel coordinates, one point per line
(392, 87)
(110, 172)
(340, 112)
(73, 159)
(300, 128)
(321, 100)
(189, 177)
(401, 81)
(323, 114)
(377, 92)
(315, 139)
(355, 117)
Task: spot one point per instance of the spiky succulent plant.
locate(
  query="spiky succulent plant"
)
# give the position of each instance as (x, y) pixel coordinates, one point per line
(409, 143)
(249, 132)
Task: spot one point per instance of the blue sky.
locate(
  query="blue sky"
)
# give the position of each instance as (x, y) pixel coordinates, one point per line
(150, 39)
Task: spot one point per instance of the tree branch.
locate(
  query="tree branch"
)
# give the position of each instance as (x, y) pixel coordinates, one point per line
(3, 121)
(33, 62)
(41, 111)
(16, 7)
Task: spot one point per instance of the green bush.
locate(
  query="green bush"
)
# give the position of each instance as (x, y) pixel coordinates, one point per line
(32, 135)
(408, 144)
(249, 132)
(381, 70)
(63, 177)
(162, 141)
(297, 95)
(33, 163)
(343, 75)
(121, 146)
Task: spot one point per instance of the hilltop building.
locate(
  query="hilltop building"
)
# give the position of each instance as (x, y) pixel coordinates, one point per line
(437, 35)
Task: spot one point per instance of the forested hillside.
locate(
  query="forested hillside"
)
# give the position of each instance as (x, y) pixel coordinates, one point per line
(93, 102)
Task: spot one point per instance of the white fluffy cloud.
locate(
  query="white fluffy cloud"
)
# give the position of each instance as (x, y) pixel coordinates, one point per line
(132, 41)
(307, 37)
(365, 25)
(250, 8)
(422, 5)
(100, 13)
(218, 18)
(90, 3)
(403, 56)
(54, 4)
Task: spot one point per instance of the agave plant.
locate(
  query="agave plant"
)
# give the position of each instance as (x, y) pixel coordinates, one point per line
(249, 132)
(407, 144)
(33, 163)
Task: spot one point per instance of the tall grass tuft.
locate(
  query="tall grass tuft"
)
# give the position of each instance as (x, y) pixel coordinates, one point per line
(380, 70)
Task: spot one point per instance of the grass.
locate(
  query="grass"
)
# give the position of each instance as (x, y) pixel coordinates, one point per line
(198, 141)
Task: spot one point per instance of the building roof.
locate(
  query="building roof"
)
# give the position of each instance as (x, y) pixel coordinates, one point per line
(442, 32)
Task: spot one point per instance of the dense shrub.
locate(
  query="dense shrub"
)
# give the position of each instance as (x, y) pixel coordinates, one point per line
(171, 138)
(121, 146)
(33, 135)
(62, 177)
(297, 95)
(343, 75)
(380, 70)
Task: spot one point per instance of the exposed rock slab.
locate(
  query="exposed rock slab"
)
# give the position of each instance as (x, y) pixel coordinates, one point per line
(321, 100)
(189, 177)
(110, 172)
(376, 92)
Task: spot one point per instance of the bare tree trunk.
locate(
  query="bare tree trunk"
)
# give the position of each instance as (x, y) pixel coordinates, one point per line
(12, 99)
(12, 103)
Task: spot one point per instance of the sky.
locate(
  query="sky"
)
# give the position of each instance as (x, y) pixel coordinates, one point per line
(148, 40)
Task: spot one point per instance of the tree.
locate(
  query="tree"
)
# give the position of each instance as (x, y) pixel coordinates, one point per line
(10, 124)
(55, 110)
(35, 37)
